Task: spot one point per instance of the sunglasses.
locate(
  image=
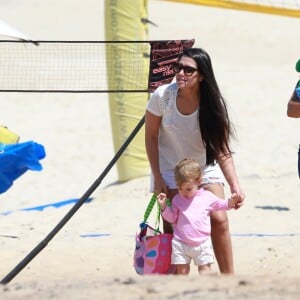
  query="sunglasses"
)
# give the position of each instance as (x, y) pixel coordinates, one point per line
(188, 71)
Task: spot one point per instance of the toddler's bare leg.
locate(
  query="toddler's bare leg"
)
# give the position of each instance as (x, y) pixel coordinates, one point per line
(204, 268)
(182, 269)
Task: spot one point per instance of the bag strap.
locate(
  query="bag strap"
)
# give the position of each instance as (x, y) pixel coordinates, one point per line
(150, 207)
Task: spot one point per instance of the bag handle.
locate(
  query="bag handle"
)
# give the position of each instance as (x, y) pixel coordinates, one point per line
(149, 209)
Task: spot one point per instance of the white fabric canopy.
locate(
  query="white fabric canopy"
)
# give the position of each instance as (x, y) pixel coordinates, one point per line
(8, 30)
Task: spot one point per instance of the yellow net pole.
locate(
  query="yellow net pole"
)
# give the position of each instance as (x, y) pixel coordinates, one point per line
(124, 22)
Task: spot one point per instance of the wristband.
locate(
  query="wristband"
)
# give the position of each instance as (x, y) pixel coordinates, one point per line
(297, 91)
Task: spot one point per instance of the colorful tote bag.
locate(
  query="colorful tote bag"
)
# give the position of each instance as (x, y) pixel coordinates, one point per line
(152, 253)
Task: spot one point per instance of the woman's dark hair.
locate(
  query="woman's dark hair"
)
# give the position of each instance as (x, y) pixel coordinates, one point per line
(215, 126)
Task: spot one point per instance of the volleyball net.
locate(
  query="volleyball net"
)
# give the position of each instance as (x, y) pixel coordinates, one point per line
(69, 66)
(83, 66)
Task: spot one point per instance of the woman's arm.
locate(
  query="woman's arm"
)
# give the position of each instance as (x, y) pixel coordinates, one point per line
(228, 168)
(293, 107)
(152, 125)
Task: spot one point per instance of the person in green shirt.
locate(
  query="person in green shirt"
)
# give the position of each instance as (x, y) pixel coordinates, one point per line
(293, 107)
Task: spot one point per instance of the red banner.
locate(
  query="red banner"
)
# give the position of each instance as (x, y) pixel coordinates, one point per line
(162, 57)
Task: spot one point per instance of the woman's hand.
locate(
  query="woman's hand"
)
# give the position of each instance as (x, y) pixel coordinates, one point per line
(240, 194)
(240, 202)
(159, 185)
(233, 200)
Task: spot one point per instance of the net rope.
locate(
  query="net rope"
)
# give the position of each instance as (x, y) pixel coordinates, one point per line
(288, 8)
(288, 4)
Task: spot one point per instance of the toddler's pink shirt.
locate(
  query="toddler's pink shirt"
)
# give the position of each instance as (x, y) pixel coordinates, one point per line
(191, 216)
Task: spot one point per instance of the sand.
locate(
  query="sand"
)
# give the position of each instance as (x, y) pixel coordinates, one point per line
(253, 56)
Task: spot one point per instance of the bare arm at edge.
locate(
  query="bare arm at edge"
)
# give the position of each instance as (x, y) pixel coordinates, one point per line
(293, 107)
(228, 168)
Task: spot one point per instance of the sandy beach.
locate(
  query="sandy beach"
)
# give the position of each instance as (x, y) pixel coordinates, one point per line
(91, 257)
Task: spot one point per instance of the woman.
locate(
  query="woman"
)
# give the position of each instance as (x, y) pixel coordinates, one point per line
(189, 119)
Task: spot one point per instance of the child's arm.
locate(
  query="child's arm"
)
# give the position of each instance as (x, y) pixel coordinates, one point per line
(162, 201)
(169, 213)
(293, 108)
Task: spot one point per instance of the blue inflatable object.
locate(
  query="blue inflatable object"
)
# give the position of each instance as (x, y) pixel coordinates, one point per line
(16, 159)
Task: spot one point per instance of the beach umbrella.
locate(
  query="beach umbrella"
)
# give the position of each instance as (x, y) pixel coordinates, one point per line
(16, 159)
(8, 30)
